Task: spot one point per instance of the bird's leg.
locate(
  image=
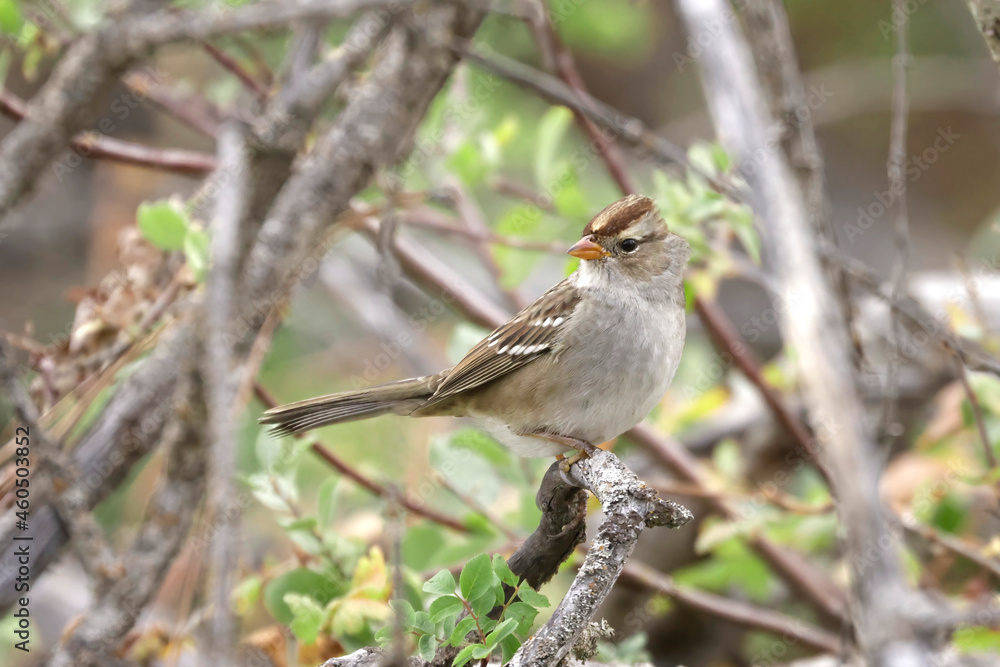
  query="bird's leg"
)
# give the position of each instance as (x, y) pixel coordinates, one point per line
(584, 449)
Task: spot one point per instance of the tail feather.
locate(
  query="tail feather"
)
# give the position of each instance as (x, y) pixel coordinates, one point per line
(401, 397)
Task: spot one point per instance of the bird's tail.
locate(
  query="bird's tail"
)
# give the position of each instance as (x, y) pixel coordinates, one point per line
(401, 397)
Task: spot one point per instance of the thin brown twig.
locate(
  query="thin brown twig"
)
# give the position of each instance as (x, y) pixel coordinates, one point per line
(977, 411)
(361, 480)
(98, 147)
(429, 219)
(728, 339)
(556, 52)
(960, 546)
(628, 129)
(734, 611)
(234, 67)
(194, 111)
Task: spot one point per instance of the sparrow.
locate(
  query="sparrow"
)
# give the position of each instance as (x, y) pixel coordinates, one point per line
(588, 360)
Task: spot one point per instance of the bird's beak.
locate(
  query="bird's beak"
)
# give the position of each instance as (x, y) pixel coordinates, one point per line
(586, 248)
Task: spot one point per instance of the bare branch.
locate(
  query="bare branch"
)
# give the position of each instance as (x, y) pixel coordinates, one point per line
(94, 640)
(93, 65)
(108, 148)
(221, 387)
(812, 325)
(629, 508)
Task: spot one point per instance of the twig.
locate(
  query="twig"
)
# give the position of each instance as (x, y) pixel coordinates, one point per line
(960, 546)
(235, 68)
(628, 129)
(472, 216)
(93, 642)
(970, 352)
(891, 430)
(750, 616)
(194, 111)
(554, 51)
(94, 63)
(427, 218)
(770, 38)
(629, 507)
(727, 338)
(477, 507)
(108, 148)
(370, 133)
(220, 387)
(58, 481)
(811, 324)
(977, 412)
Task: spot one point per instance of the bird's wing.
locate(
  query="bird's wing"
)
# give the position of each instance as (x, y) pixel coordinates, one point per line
(529, 334)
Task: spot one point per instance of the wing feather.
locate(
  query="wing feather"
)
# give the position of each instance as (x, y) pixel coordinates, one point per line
(532, 332)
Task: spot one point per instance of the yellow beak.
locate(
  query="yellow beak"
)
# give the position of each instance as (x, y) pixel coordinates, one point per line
(586, 248)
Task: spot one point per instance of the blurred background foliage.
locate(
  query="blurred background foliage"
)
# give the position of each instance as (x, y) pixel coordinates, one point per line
(316, 544)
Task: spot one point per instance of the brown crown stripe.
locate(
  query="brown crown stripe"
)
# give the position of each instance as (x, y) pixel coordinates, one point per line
(619, 216)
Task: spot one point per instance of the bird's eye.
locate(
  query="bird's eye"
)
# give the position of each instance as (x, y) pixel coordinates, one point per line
(629, 245)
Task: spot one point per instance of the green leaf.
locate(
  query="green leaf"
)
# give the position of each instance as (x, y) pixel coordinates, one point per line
(10, 17)
(422, 622)
(445, 606)
(163, 224)
(479, 652)
(477, 577)
(302, 580)
(509, 646)
(524, 614)
(502, 630)
(325, 501)
(465, 655)
(407, 617)
(977, 640)
(551, 129)
(272, 491)
(461, 631)
(196, 250)
(307, 617)
(502, 570)
(535, 599)
(422, 544)
(426, 647)
(385, 635)
(442, 583)
(246, 594)
(483, 605)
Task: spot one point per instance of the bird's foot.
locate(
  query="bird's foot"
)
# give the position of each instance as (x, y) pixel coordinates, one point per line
(584, 449)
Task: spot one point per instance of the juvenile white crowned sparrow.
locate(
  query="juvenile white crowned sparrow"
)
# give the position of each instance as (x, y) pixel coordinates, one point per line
(582, 364)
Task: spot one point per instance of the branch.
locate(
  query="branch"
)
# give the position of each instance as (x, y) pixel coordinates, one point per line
(90, 69)
(629, 508)
(628, 129)
(108, 148)
(813, 326)
(221, 388)
(93, 642)
(368, 134)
